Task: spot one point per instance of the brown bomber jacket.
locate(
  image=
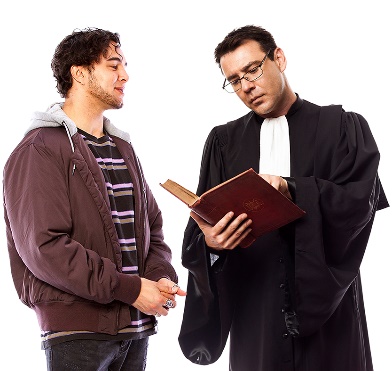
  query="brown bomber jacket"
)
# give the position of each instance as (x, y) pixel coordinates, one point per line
(63, 247)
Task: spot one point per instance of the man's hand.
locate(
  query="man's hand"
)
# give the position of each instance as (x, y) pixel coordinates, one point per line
(154, 296)
(227, 233)
(278, 183)
(150, 300)
(169, 289)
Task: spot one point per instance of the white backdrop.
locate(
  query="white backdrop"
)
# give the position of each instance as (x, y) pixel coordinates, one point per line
(338, 52)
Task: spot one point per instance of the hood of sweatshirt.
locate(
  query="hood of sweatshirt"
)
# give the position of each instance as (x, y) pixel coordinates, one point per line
(55, 116)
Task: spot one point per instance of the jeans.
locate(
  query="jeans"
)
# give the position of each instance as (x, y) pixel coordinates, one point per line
(98, 355)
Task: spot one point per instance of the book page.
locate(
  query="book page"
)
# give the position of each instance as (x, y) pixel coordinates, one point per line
(180, 192)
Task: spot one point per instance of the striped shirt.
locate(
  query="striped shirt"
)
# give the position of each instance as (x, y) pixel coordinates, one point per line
(120, 191)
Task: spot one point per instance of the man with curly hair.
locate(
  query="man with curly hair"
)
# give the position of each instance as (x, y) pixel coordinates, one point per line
(84, 231)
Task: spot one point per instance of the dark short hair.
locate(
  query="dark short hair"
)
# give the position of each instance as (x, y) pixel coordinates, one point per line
(81, 48)
(239, 36)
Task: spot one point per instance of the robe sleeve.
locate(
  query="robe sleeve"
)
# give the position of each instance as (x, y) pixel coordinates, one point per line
(340, 201)
(204, 328)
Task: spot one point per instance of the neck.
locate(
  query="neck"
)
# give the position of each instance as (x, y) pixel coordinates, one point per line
(282, 106)
(287, 102)
(85, 116)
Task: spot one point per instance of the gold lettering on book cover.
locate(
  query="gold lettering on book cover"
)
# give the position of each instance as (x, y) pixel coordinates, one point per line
(253, 205)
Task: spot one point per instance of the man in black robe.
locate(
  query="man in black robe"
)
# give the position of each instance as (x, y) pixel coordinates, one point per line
(293, 299)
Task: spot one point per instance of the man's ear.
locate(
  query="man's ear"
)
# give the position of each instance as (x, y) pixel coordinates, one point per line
(78, 74)
(280, 59)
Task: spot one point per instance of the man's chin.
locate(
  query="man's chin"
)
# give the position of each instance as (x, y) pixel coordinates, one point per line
(260, 109)
(116, 105)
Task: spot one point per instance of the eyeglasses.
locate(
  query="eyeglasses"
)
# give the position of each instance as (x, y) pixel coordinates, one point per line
(252, 75)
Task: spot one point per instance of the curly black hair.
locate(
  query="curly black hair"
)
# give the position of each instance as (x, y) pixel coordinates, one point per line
(81, 48)
(239, 36)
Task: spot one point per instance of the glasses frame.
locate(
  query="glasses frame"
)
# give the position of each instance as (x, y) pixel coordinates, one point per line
(245, 77)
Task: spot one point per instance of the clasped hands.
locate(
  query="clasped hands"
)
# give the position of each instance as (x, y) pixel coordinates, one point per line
(154, 296)
(228, 232)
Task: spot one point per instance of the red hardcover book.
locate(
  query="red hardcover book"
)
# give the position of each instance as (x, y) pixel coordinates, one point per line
(246, 193)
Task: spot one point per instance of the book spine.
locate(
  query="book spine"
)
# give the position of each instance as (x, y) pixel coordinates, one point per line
(210, 213)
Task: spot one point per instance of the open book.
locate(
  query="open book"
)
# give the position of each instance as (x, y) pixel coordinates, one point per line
(245, 193)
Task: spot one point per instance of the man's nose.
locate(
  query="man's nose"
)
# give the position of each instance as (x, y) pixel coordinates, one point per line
(246, 85)
(124, 76)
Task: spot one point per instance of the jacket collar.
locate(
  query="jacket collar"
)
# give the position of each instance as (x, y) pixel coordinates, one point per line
(55, 117)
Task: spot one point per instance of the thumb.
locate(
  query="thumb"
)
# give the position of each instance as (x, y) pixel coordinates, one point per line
(181, 292)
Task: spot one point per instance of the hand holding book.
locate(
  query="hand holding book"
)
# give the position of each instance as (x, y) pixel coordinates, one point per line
(245, 193)
(228, 233)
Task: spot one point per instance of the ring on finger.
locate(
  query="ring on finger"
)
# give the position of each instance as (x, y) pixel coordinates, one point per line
(169, 303)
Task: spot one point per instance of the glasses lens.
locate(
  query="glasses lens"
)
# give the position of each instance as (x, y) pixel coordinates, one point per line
(253, 74)
(232, 88)
(229, 88)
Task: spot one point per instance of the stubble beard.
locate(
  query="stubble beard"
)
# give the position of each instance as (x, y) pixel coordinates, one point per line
(98, 92)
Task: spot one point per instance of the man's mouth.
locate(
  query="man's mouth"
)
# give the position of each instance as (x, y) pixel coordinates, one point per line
(255, 99)
(121, 90)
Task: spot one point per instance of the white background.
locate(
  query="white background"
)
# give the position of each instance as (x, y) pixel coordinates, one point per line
(338, 52)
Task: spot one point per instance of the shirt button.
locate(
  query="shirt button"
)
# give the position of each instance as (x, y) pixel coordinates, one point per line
(281, 286)
(285, 336)
(281, 260)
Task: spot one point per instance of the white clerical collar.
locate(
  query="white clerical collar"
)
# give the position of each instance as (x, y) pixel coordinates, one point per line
(275, 147)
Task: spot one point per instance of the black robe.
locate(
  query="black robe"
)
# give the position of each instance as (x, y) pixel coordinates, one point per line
(293, 299)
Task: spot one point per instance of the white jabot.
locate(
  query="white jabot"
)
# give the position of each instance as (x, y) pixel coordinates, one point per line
(275, 147)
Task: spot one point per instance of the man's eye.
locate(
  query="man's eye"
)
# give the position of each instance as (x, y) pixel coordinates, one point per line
(235, 82)
(114, 67)
(253, 70)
